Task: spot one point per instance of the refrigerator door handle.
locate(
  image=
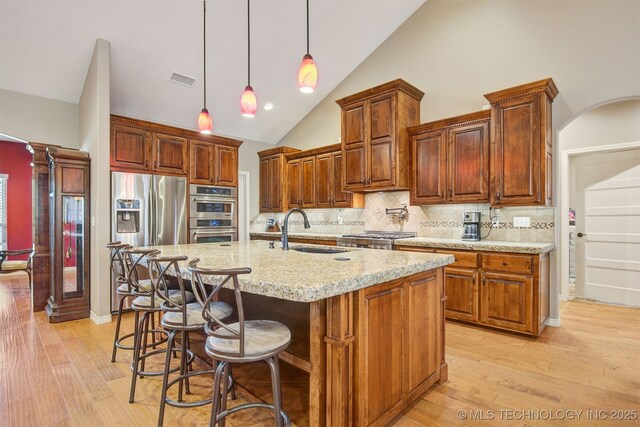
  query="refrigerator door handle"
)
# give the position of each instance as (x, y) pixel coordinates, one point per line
(152, 211)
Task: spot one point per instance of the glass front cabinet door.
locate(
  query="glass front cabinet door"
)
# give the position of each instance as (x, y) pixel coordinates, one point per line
(69, 233)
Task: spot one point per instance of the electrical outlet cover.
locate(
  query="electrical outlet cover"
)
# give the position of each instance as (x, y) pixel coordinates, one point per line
(521, 221)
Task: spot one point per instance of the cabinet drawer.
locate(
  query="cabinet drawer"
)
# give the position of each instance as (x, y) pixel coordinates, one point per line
(463, 259)
(508, 263)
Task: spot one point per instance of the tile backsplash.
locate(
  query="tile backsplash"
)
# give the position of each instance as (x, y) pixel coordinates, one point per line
(427, 221)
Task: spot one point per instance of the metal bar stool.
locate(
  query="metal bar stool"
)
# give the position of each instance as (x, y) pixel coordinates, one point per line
(147, 303)
(123, 291)
(240, 342)
(180, 318)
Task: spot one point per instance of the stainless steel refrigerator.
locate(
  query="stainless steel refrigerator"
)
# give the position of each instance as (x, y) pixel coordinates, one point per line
(147, 210)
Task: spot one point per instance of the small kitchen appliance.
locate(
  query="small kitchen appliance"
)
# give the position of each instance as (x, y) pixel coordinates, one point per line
(471, 226)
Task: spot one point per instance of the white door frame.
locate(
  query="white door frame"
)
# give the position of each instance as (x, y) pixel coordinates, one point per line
(563, 214)
(247, 203)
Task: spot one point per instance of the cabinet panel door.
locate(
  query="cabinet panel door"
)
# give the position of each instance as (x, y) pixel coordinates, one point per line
(265, 181)
(324, 179)
(200, 164)
(516, 154)
(354, 174)
(130, 148)
(462, 293)
(276, 183)
(341, 199)
(382, 118)
(307, 182)
(226, 166)
(382, 167)
(169, 154)
(353, 124)
(507, 301)
(469, 163)
(423, 323)
(382, 147)
(381, 354)
(428, 163)
(295, 183)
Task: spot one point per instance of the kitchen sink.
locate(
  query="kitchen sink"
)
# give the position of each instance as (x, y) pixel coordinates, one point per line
(313, 250)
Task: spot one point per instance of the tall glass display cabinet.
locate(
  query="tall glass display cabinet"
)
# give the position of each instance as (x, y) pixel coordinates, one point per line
(69, 209)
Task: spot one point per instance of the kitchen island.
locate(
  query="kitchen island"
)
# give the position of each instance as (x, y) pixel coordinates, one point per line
(367, 325)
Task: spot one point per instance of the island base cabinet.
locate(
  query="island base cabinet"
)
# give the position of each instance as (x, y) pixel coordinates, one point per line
(507, 301)
(399, 348)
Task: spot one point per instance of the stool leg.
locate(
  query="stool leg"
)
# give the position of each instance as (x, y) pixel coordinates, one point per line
(275, 384)
(217, 395)
(165, 378)
(223, 393)
(136, 355)
(188, 367)
(145, 335)
(233, 383)
(117, 334)
(183, 364)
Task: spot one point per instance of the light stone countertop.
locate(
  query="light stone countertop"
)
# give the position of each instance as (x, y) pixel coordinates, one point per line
(314, 236)
(306, 277)
(483, 245)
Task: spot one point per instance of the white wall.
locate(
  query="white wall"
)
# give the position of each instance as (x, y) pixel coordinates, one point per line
(37, 119)
(94, 109)
(456, 51)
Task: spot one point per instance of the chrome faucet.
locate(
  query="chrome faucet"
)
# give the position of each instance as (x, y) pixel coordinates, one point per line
(285, 226)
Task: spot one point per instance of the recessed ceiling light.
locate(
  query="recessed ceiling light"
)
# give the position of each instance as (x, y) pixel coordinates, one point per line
(181, 79)
(268, 106)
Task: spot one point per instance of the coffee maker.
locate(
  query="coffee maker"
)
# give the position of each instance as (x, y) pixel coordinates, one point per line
(471, 226)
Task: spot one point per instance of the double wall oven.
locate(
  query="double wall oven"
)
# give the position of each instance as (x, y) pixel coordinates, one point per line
(213, 215)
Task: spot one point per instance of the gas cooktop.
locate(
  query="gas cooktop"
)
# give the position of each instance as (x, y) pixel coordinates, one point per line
(371, 234)
(373, 239)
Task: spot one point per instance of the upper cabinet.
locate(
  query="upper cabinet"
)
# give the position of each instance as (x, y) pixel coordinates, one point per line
(375, 147)
(302, 175)
(274, 179)
(521, 154)
(145, 147)
(450, 160)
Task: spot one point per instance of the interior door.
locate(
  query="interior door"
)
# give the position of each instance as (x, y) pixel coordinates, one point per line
(608, 227)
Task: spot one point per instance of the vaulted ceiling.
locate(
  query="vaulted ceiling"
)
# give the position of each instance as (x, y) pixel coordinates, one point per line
(46, 47)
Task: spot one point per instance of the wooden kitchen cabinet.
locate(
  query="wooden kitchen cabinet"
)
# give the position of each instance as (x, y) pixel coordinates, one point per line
(274, 179)
(302, 175)
(375, 146)
(170, 154)
(130, 148)
(329, 192)
(500, 290)
(144, 147)
(392, 369)
(450, 160)
(522, 150)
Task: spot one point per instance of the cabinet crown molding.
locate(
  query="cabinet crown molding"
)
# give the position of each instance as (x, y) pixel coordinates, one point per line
(397, 84)
(277, 150)
(172, 131)
(315, 151)
(546, 86)
(462, 120)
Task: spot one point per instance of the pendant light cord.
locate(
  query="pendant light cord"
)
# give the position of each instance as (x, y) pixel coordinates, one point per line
(248, 42)
(204, 50)
(307, 27)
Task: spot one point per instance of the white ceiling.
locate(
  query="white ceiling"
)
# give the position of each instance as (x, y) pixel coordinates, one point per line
(46, 47)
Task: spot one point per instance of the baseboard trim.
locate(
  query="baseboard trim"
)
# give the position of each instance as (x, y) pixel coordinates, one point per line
(99, 320)
(552, 322)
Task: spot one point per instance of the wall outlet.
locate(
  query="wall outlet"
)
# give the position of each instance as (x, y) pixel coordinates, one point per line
(495, 219)
(340, 219)
(521, 221)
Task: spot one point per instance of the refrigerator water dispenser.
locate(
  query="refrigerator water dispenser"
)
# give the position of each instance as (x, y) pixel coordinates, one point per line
(127, 216)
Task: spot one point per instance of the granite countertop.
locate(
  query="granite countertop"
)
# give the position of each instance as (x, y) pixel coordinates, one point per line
(483, 245)
(315, 236)
(306, 277)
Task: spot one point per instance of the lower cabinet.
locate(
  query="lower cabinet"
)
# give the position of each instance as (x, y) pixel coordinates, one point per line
(392, 370)
(501, 290)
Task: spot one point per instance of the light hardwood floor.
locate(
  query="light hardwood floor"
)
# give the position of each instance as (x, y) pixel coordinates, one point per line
(61, 374)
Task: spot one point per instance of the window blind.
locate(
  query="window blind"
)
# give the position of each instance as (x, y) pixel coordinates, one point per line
(3, 210)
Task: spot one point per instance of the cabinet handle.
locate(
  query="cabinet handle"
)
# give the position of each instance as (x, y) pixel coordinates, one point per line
(451, 192)
(155, 164)
(498, 195)
(484, 280)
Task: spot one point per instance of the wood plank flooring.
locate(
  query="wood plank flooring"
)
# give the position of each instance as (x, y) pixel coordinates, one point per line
(61, 374)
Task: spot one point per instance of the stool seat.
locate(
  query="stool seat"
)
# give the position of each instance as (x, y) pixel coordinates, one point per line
(144, 285)
(144, 302)
(194, 314)
(14, 265)
(261, 337)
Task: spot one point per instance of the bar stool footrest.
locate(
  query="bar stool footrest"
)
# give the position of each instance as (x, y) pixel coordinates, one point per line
(191, 357)
(224, 414)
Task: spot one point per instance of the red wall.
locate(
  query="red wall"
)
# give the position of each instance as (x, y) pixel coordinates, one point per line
(15, 161)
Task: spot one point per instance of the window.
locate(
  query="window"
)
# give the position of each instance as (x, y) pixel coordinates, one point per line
(3, 210)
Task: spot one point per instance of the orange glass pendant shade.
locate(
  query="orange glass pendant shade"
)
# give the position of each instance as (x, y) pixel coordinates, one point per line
(248, 102)
(205, 122)
(307, 74)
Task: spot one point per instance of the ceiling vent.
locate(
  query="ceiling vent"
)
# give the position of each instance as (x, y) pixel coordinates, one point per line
(181, 79)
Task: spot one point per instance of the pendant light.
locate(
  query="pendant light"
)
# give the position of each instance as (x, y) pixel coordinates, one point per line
(205, 123)
(248, 101)
(307, 73)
